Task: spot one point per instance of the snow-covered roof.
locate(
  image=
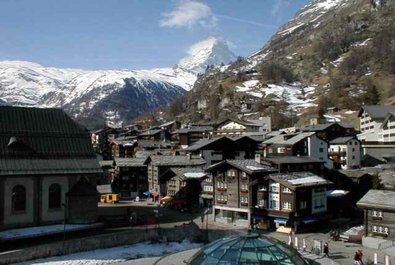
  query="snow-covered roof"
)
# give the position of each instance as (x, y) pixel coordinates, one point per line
(299, 179)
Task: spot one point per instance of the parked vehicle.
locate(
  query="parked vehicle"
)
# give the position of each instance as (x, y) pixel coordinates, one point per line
(109, 198)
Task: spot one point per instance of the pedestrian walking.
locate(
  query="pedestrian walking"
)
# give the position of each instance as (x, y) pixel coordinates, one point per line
(358, 257)
(326, 249)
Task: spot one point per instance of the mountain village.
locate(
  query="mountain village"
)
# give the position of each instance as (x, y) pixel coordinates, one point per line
(245, 159)
(327, 175)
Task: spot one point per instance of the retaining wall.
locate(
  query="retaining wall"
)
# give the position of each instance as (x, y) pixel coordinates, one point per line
(127, 237)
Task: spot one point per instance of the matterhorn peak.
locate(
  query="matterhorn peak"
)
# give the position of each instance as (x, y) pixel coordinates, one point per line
(211, 51)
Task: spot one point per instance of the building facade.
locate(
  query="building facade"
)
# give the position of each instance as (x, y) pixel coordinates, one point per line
(44, 156)
(345, 152)
(379, 215)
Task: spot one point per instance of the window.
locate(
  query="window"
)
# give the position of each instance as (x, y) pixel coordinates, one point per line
(244, 187)
(244, 199)
(54, 196)
(222, 185)
(321, 150)
(273, 204)
(281, 150)
(287, 206)
(222, 198)
(286, 190)
(319, 203)
(208, 188)
(274, 189)
(18, 198)
(231, 173)
(380, 229)
(376, 213)
(262, 188)
(303, 205)
(262, 203)
(243, 175)
(210, 179)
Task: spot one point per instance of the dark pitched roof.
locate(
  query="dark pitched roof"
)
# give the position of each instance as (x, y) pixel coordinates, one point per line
(292, 160)
(205, 142)
(341, 140)
(131, 162)
(148, 143)
(184, 173)
(249, 166)
(377, 111)
(299, 179)
(389, 116)
(245, 123)
(151, 132)
(195, 129)
(382, 199)
(176, 160)
(83, 188)
(43, 141)
(288, 139)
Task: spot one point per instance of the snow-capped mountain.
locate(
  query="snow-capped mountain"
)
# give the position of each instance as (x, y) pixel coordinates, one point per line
(92, 95)
(212, 51)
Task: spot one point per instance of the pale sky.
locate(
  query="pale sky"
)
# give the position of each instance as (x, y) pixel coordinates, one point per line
(132, 34)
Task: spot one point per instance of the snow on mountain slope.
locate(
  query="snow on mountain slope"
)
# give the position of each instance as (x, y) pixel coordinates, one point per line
(212, 51)
(295, 94)
(310, 13)
(80, 91)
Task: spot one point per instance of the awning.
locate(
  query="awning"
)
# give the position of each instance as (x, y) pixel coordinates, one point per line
(280, 220)
(166, 199)
(309, 220)
(336, 193)
(147, 193)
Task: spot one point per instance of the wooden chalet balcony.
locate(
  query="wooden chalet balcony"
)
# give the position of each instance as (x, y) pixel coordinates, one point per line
(243, 191)
(222, 189)
(221, 202)
(337, 153)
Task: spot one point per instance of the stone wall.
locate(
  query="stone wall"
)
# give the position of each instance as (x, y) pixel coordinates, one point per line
(130, 236)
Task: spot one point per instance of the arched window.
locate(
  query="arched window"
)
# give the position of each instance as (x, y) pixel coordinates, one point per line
(19, 198)
(54, 196)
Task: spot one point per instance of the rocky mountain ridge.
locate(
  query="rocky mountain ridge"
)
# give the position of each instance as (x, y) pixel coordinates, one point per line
(95, 97)
(332, 53)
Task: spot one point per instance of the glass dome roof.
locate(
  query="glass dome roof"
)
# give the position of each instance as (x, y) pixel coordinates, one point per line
(248, 249)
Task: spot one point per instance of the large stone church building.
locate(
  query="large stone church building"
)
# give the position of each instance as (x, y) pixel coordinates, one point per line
(48, 169)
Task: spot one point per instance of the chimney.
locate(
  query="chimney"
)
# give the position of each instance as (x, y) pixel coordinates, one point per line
(258, 158)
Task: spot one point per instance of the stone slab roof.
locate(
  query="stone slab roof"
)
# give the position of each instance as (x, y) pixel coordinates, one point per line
(249, 166)
(378, 199)
(299, 179)
(176, 160)
(37, 141)
(377, 111)
(130, 162)
(341, 140)
(292, 160)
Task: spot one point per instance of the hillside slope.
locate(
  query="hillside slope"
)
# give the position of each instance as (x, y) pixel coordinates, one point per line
(332, 53)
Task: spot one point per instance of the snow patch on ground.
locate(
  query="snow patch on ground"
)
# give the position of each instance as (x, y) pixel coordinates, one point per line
(117, 254)
(35, 231)
(290, 30)
(294, 94)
